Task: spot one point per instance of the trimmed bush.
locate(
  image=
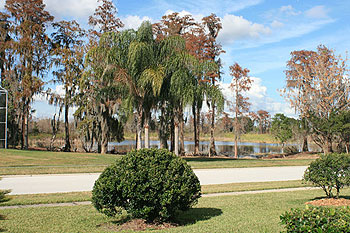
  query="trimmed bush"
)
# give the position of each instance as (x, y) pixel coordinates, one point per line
(152, 184)
(317, 219)
(3, 197)
(329, 172)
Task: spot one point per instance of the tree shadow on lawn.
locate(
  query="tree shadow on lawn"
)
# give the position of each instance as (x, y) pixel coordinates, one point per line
(195, 215)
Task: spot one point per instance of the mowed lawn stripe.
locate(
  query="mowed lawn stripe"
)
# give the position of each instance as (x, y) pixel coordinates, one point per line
(31, 199)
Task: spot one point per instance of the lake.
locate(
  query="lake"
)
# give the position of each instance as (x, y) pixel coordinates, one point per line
(245, 149)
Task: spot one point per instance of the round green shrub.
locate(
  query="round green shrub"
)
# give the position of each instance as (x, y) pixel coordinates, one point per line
(3, 197)
(317, 219)
(329, 172)
(152, 184)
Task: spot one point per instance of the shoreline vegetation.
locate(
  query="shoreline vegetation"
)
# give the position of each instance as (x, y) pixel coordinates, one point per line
(226, 137)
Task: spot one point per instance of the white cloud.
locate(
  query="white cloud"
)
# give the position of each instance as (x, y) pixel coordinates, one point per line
(277, 24)
(134, 21)
(238, 28)
(77, 9)
(317, 12)
(288, 31)
(59, 90)
(259, 99)
(44, 110)
(206, 7)
(289, 10)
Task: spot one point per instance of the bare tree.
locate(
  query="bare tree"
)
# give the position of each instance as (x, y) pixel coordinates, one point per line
(213, 24)
(317, 87)
(241, 83)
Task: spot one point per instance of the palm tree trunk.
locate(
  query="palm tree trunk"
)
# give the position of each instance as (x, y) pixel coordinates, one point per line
(162, 131)
(182, 140)
(212, 150)
(139, 129)
(172, 135)
(67, 146)
(176, 135)
(147, 119)
(196, 147)
(105, 133)
(198, 131)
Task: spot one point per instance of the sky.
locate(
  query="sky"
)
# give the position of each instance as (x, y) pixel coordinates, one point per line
(257, 34)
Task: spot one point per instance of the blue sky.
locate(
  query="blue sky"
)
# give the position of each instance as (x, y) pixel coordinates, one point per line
(258, 34)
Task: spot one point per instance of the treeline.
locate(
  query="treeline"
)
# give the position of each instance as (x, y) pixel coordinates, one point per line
(111, 74)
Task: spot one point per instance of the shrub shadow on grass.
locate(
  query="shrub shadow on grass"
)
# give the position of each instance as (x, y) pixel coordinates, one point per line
(2, 217)
(195, 215)
(325, 197)
(192, 216)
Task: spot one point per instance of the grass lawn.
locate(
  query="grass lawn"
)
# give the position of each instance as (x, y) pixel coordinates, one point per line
(22, 162)
(29, 199)
(244, 213)
(203, 163)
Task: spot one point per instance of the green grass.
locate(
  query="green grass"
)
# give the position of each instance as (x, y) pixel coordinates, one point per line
(21, 162)
(24, 158)
(24, 162)
(30, 199)
(250, 186)
(244, 213)
(203, 163)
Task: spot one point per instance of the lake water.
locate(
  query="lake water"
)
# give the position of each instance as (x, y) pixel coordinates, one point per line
(245, 149)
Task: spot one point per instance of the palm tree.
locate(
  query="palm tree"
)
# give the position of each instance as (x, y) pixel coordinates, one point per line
(180, 89)
(145, 77)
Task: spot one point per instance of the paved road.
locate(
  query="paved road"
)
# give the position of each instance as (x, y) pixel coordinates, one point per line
(32, 184)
